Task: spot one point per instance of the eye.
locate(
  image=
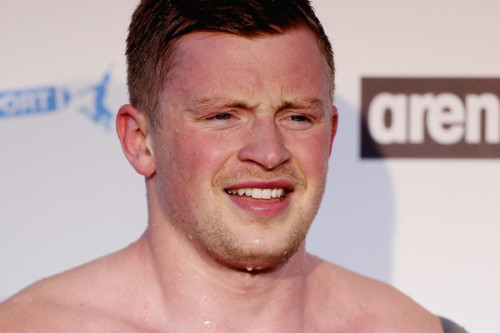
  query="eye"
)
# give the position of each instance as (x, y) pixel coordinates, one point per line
(296, 121)
(220, 116)
(223, 116)
(299, 118)
(222, 119)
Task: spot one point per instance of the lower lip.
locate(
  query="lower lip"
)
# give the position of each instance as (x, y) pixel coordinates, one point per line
(262, 207)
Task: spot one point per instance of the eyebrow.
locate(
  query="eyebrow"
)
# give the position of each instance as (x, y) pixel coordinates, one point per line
(219, 102)
(307, 103)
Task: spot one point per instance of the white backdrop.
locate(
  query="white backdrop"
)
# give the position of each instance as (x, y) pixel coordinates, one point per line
(67, 194)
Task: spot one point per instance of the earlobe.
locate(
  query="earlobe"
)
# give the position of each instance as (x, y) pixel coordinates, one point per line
(335, 118)
(132, 129)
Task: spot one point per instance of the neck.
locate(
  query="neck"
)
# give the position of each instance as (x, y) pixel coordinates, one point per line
(199, 293)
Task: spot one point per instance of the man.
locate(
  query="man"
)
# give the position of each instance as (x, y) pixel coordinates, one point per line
(231, 123)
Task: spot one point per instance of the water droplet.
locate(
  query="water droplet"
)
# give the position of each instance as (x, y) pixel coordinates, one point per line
(207, 323)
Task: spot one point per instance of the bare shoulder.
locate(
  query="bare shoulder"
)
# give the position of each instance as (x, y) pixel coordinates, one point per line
(81, 299)
(360, 304)
(35, 308)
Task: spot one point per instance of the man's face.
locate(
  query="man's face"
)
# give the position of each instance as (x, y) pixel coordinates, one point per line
(242, 153)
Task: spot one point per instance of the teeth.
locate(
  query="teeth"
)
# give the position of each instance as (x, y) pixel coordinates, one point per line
(258, 193)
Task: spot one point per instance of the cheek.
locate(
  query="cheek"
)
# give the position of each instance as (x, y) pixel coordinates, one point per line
(202, 154)
(311, 152)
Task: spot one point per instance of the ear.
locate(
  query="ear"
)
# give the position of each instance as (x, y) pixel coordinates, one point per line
(132, 129)
(335, 118)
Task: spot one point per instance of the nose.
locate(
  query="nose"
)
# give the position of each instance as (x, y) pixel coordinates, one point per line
(264, 145)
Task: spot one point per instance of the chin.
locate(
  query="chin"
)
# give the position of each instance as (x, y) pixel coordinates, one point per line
(252, 246)
(254, 256)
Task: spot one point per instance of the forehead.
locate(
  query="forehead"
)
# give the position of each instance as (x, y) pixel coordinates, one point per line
(288, 63)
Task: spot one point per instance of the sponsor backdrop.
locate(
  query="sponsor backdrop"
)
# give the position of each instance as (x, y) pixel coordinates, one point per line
(412, 197)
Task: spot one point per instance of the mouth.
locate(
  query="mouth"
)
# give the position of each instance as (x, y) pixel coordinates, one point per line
(259, 193)
(262, 198)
